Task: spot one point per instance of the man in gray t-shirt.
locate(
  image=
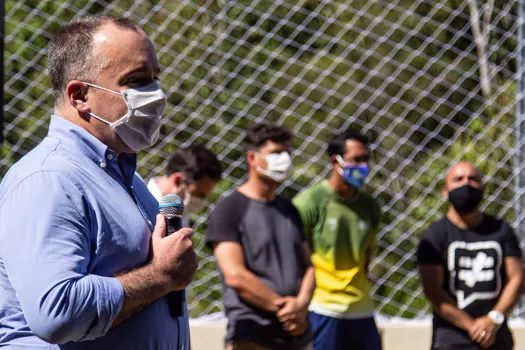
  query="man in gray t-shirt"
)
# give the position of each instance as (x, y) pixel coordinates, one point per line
(263, 257)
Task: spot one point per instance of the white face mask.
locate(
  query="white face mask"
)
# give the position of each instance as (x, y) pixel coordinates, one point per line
(279, 166)
(193, 204)
(139, 127)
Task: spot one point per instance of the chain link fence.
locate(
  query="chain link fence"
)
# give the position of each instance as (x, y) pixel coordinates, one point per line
(429, 81)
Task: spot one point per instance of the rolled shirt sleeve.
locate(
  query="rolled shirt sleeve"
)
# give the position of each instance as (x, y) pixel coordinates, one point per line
(46, 247)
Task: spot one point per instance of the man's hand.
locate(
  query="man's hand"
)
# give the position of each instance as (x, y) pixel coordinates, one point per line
(299, 328)
(172, 266)
(173, 256)
(293, 314)
(483, 331)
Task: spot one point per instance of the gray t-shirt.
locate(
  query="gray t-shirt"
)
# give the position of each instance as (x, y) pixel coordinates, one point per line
(271, 236)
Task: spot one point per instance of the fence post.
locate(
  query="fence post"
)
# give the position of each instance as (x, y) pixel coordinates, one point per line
(519, 127)
(2, 15)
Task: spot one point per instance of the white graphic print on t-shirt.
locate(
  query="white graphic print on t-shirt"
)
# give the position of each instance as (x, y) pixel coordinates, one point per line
(474, 270)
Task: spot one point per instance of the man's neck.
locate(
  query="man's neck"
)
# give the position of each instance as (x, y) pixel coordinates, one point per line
(259, 190)
(464, 221)
(163, 184)
(340, 187)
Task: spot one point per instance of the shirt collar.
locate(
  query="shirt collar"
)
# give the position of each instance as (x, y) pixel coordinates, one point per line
(154, 188)
(325, 184)
(92, 147)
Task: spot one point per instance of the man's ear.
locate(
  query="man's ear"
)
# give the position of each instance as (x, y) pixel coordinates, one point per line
(444, 192)
(177, 183)
(250, 157)
(335, 163)
(76, 93)
(177, 179)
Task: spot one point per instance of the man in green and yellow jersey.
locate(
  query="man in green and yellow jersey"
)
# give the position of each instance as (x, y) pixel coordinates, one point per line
(341, 223)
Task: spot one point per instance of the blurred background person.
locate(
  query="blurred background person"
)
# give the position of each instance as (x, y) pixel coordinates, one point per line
(341, 223)
(258, 240)
(470, 267)
(192, 173)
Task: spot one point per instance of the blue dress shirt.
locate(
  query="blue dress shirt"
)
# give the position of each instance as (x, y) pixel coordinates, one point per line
(73, 214)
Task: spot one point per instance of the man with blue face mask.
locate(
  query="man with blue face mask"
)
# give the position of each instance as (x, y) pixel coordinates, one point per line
(84, 261)
(341, 222)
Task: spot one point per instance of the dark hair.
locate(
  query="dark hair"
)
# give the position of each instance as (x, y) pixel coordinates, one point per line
(195, 162)
(258, 134)
(71, 53)
(337, 145)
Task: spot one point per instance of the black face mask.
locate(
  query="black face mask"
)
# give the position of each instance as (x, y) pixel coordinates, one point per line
(465, 198)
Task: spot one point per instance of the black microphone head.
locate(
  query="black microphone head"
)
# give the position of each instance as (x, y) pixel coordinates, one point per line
(171, 205)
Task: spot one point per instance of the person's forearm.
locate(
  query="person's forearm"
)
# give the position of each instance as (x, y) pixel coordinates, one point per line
(142, 287)
(307, 287)
(509, 296)
(445, 307)
(254, 291)
(454, 315)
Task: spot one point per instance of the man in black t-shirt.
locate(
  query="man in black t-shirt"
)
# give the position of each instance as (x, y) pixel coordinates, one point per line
(264, 259)
(470, 268)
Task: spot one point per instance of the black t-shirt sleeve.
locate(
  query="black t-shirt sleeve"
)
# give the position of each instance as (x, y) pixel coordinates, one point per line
(429, 251)
(512, 245)
(224, 221)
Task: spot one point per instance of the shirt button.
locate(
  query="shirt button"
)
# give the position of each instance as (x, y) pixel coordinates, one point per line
(102, 164)
(110, 156)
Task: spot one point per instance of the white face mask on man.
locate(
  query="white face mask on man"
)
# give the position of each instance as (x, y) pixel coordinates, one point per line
(139, 127)
(279, 166)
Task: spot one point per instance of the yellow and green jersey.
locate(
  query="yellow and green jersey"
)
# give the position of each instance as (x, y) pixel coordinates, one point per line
(341, 233)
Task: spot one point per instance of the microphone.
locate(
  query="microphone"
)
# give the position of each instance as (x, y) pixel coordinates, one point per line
(172, 207)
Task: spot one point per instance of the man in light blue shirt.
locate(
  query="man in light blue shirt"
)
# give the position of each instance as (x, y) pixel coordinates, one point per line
(84, 261)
